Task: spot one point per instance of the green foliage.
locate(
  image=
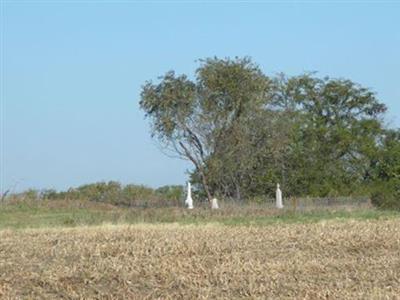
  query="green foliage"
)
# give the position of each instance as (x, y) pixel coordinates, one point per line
(387, 195)
(100, 192)
(171, 192)
(192, 118)
(385, 172)
(338, 122)
(136, 195)
(111, 192)
(50, 194)
(245, 131)
(31, 194)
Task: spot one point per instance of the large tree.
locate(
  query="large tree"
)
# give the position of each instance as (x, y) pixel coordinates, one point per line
(341, 124)
(191, 118)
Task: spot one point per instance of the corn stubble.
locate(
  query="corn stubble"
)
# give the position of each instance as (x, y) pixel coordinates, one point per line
(343, 260)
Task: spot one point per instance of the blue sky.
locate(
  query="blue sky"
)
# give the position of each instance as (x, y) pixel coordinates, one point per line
(72, 72)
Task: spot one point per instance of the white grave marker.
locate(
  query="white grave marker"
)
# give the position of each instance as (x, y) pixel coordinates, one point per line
(279, 203)
(214, 203)
(189, 200)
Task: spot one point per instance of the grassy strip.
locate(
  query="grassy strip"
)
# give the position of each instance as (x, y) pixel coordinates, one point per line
(19, 217)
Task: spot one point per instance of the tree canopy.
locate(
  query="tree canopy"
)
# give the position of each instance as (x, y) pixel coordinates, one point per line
(245, 131)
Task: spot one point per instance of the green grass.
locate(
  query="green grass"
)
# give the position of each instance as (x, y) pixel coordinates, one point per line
(43, 216)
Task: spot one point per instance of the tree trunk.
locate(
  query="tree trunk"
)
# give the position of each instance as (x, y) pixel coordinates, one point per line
(205, 184)
(199, 167)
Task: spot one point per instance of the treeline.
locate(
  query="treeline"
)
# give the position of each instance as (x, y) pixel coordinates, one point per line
(245, 131)
(111, 192)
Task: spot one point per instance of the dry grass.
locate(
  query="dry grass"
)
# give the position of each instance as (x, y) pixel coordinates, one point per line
(342, 260)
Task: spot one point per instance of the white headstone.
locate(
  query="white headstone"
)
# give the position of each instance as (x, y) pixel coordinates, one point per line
(279, 203)
(189, 200)
(214, 203)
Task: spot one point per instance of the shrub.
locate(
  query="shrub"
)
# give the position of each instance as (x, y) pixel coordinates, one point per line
(387, 195)
(171, 192)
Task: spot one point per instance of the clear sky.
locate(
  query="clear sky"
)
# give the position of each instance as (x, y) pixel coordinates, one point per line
(72, 73)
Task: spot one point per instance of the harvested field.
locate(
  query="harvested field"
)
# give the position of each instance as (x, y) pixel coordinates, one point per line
(342, 260)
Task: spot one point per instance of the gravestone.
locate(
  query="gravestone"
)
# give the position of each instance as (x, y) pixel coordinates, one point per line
(279, 203)
(189, 200)
(214, 203)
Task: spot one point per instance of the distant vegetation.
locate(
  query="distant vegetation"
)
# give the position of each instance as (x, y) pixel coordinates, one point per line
(111, 192)
(139, 196)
